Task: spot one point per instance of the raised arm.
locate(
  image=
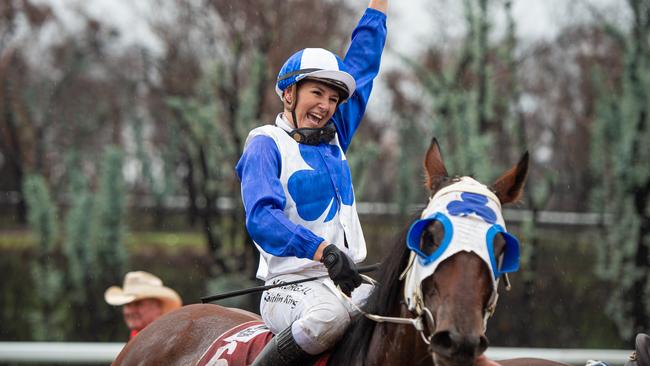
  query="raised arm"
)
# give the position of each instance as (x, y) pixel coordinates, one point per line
(362, 60)
(381, 5)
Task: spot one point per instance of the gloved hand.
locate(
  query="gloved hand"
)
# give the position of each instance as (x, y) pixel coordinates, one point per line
(341, 269)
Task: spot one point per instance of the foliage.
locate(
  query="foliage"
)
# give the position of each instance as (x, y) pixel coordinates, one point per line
(79, 254)
(48, 319)
(109, 226)
(157, 166)
(462, 101)
(620, 161)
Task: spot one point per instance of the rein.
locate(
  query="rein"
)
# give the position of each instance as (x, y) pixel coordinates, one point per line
(423, 314)
(418, 322)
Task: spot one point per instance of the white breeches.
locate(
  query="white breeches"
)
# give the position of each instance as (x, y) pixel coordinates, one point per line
(318, 317)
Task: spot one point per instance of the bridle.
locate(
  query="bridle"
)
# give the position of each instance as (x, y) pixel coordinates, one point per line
(423, 319)
(419, 322)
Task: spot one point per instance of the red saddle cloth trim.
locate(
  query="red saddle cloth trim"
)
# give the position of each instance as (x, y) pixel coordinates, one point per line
(240, 345)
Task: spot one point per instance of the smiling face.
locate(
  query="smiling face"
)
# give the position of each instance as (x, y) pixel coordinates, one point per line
(317, 103)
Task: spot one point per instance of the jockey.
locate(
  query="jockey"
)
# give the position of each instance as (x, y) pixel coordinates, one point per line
(299, 200)
(298, 195)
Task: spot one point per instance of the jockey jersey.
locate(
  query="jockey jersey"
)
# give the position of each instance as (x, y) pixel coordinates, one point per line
(297, 195)
(318, 193)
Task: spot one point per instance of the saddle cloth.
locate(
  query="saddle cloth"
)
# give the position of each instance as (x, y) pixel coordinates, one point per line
(240, 345)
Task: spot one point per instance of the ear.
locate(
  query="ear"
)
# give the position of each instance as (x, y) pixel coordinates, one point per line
(289, 97)
(434, 168)
(510, 186)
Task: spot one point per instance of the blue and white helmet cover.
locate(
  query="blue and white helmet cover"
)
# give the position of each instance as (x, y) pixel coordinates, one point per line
(314, 63)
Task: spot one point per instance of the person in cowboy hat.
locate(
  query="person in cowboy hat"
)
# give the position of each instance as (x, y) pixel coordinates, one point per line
(143, 299)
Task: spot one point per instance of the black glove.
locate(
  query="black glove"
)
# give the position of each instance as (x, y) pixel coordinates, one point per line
(341, 269)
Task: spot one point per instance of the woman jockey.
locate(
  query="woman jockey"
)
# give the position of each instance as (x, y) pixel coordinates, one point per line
(298, 195)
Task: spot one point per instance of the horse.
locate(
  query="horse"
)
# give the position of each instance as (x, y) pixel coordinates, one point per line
(416, 315)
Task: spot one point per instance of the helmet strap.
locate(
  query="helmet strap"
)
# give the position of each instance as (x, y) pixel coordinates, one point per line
(291, 105)
(314, 136)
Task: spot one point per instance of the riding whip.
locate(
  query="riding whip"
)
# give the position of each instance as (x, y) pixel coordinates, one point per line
(225, 295)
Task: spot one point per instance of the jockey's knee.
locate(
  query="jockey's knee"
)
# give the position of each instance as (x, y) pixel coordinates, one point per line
(321, 327)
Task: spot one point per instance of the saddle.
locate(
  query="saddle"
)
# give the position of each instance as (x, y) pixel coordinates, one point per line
(240, 345)
(641, 354)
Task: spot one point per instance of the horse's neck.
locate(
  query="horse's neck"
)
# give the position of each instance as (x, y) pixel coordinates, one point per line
(395, 344)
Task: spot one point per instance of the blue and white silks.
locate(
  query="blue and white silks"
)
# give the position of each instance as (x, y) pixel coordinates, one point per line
(296, 195)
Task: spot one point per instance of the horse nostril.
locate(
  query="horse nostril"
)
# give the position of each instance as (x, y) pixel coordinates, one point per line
(442, 343)
(482, 345)
(450, 344)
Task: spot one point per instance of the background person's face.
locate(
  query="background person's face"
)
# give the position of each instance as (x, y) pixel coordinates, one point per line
(141, 313)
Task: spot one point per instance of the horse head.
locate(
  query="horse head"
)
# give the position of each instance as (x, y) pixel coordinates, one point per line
(459, 250)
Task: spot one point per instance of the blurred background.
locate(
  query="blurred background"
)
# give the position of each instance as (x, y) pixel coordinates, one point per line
(121, 123)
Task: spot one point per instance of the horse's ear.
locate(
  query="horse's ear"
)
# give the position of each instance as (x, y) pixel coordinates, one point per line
(510, 185)
(434, 167)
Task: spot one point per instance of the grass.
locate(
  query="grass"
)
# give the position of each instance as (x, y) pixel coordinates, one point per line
(24, 239)
(16, 239)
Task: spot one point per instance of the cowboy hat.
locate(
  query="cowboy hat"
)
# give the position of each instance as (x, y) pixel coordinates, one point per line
(140, 285)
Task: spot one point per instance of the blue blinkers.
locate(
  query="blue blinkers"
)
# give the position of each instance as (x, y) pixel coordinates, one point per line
(511, 252)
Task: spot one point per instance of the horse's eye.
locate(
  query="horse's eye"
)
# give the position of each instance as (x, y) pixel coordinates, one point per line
(431, 238)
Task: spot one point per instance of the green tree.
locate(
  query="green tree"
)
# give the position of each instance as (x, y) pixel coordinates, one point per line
(77, 249)
(109, 229)
(620, 156)
(47, 319)
(213, 131)
(465, 106)
(157, 168)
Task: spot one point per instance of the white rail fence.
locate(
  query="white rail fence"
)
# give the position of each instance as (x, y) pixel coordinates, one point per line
(104, 353)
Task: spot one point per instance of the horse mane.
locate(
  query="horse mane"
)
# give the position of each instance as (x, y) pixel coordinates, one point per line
(353, 347)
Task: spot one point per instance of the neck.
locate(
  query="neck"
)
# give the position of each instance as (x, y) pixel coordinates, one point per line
(288, 116)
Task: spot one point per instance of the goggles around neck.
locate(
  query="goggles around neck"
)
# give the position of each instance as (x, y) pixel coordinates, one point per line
(314, 136)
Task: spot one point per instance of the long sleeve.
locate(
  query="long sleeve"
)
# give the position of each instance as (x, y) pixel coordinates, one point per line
(363, 60)
(264, 201)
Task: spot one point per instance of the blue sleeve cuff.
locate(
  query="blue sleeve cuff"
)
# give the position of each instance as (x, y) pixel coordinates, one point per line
(305, 242)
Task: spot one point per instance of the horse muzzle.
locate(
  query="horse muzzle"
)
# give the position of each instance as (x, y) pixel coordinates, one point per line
(454, 349)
